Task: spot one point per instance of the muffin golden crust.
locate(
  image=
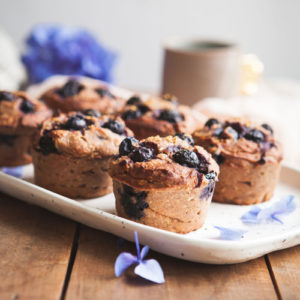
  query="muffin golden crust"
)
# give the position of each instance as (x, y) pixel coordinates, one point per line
(20, 116)
(249, 157)
(71, 155)
(75, 95)
(160, 116)
(164, 182)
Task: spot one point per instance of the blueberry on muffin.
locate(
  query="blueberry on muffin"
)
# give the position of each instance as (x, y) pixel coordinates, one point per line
(164, 182)
(72, 154)
(76, 95)
(249, 157)
(20, 117)
(160, 116)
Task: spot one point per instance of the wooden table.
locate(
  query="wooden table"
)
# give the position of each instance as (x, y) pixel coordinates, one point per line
(45, 256)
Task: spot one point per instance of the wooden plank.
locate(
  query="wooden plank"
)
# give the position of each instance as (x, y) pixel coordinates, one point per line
(35, 247)
(285, 267)
(93, 275)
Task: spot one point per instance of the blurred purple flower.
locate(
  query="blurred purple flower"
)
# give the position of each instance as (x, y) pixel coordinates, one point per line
(57, 49)
(230, 234)
(13, 171)
(256, 215)
(149, 269)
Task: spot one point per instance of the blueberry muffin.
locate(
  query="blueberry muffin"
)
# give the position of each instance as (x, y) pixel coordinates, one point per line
(75, 95)
(249, 157)
(164, 182)
(160, 116)
(71, 155)
(20, 117)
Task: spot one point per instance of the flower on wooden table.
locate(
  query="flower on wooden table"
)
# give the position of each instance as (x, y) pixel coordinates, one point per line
(148, 269)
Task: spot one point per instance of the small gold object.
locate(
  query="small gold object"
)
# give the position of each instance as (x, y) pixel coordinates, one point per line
(252, 70)
(169, 97)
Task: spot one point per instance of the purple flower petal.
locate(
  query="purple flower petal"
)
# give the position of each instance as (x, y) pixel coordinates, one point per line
(144, 252)
(284, 206)
(57, 49)
(123, 262)
(230, 234)
(251, 215)
(151, 270)
(137, 244)
(148, 269)
(13, 171)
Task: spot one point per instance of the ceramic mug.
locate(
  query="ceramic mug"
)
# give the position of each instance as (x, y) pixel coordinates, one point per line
(195, 69)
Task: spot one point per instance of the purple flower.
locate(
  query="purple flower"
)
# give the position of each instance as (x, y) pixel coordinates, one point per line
(257, 215)
(230, 234)
(57, 49)
(13, 171)
(149, 269)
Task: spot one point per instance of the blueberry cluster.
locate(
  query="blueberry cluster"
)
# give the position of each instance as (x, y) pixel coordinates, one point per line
(46, 143)
(26, 106)
(237, 130)
(219, 158)
(170, 115)
(133, 202)
(136, 151)
(6, 96)
(145, 151)
(71, 88)
(134, 100)
(208, 190)
(77, 122)
(140, 109)
(114, 126)
(104, 93)
(191, 159)
(186, 138)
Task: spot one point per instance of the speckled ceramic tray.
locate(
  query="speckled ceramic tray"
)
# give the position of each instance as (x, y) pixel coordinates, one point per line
(203, 245)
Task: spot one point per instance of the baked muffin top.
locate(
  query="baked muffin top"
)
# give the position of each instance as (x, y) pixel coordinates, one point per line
(20, 112)
(84, 134)
(163, 116)
(163, 162)
(239, 138)
(76, 95)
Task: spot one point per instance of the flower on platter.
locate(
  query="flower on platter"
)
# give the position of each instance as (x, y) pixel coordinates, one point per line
(148, 269)
(257, 215)
(57, 49)
(230, 234)
(13, 171)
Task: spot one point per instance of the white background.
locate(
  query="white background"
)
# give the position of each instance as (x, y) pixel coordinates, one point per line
(136, 29)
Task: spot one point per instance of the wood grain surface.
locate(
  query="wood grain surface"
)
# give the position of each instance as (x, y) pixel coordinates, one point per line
(93, 275)
(285, 267)
(44, 256)
(35, 248)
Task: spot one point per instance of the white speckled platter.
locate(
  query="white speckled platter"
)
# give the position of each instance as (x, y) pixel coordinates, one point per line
(202, 245)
